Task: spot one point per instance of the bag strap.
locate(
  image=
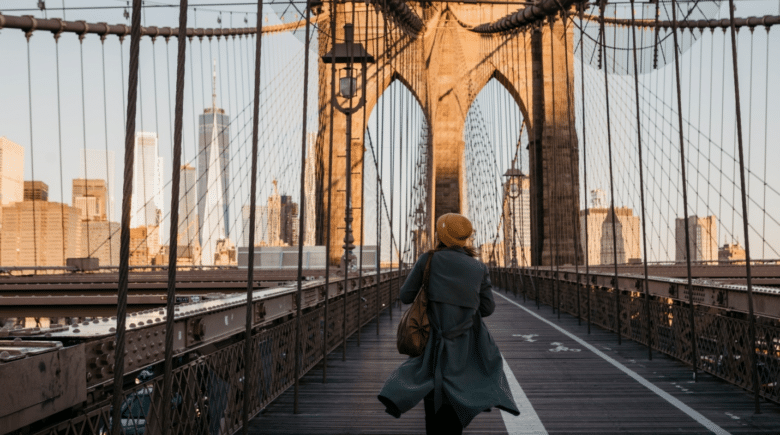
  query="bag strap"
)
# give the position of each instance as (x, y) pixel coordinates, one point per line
(427, 273)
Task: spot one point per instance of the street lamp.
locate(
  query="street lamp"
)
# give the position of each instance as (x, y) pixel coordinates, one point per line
(514, 179)
(348, 53)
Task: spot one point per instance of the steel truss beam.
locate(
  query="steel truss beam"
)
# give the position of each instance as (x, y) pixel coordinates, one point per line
(29, 24)
(526, 16)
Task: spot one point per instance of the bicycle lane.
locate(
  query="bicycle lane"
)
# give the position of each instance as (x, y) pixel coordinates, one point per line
(577, 385)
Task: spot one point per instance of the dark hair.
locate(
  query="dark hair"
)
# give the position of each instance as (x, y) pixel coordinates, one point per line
(470, 251)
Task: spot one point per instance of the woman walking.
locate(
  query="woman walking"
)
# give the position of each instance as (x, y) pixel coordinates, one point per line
(460, 373)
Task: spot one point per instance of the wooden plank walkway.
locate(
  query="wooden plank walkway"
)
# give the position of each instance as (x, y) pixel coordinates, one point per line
(572, 388)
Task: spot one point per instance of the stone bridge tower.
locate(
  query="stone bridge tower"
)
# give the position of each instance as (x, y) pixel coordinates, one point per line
(445, 67)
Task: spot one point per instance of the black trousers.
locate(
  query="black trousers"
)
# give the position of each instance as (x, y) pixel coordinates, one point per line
(444, 422)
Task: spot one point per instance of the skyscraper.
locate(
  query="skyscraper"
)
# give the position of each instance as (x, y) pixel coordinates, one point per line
(214, 132)
(37, 232)
(89, 197)
(11, 172)
(595, 215)
(147, 201)
(274, 218)
(627, 240)
(188, 209)
(213, 229)
(599, 243)
(729, 253)
(288, 221)
(703, 236)
(36, 191)
(261, 225)
(282, 219)
(517, 217)
(100, 239)
(99, 165)
(144, 245)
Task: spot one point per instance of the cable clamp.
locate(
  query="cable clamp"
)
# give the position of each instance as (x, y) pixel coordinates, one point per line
(127, 32)
(58, 32)
(84, 33)
(34, 26)
(105, 33)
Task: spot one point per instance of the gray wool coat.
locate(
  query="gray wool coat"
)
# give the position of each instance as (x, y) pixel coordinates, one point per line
(461, 362)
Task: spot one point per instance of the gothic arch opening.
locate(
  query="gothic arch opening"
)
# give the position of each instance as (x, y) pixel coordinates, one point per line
(496, 162)
(396, 173)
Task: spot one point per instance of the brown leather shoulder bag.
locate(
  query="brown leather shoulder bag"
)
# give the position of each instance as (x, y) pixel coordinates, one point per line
(414, 328)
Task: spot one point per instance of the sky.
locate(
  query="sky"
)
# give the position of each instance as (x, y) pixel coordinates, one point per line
(89, 118)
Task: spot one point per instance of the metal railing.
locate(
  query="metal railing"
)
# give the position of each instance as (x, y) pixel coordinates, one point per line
(723, 344)
(208, 378)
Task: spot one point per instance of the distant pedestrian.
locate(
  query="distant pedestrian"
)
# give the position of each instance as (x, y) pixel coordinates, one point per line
(460, 373)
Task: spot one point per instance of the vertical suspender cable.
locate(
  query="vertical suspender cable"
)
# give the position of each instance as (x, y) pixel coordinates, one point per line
(248, 347)
(641, 186)
(124, 250)
(602, 6)
(348, 207)
(144, 201)
(392, 189)
(683, 164)
(168, 82)
(570, 128)
(174, 227)
(535, 171)
(59, 140)
(523, 247)
(531, 277)
(330, 191)
(585, 163)
(84, 137)
(109, 180)
(32, 153)
(748, 271)
(362, 205)
(298, 350)
(554, 220)
(766, 127)
(378, 180)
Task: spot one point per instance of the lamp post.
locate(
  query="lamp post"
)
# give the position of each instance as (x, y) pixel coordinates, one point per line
(513, 192)
(348, 53)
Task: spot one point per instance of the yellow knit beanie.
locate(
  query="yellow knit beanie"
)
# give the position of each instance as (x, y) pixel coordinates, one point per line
(453, 229)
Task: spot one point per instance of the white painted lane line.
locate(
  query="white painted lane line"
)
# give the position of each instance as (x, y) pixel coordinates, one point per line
(704, 421)
(527, 423)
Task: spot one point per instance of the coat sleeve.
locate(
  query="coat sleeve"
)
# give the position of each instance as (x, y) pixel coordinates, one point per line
(413, 281)
(486, 303)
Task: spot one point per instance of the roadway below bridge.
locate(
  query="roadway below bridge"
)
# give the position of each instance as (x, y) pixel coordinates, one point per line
(95, 294)
(763, 274)
(567, 381)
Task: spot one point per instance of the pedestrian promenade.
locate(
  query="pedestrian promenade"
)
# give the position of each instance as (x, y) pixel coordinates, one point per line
(567, 381)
